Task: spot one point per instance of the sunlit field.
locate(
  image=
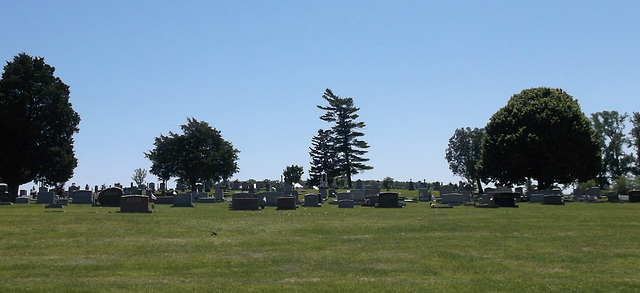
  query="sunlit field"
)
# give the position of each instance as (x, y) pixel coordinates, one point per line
(577, 247)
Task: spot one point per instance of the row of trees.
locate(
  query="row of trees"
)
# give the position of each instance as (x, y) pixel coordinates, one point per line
(542, 135)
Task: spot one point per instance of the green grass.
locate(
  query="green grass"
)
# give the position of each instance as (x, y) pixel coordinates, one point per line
(577, 247)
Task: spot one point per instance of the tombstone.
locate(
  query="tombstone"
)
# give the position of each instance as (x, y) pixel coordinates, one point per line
(370, 192)
(134, 204)
(536, 198)
(612, 196)
(111, 196)
(552, 199)
(73, 188)
(423, 194)
(219, 194)
(358, 196)
(323, 191)
(245, 186)
(332, 192)
(505, 199)
(436, 186)
(22, 200)
(445, 189)
(63, 201)
(359, 184)
(23, 193)
(152, 187)
(486, 199)
(371, 201)
(312, 200)
(244, 204)
(345, 203)
(452, 199)
(271, 198)
(286, 203)
(43, 189)
(388, 200)
(592, 193)
(163, 187)
(81, 197)
(344, 196)
(412, 186)
(578, 195)
(183, 200)
(634, 196)
(47, 197)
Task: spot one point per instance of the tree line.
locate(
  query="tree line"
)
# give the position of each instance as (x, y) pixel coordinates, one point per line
(542, 138)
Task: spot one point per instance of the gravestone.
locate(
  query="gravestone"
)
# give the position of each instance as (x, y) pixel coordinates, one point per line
(634, 196)
(358, 196)
(323, 193)
(134, 204)
(243, 204)
(219, 194)
(183, 200)
(22, 200)
(152, 187)
(245, 186)
(371, 201)
(312, 200)
(23, 193)
(536, 198)
(47, 197)
(370, 192)
(270, 198)
(412, 186)
(578, 195)
(388, 200)
(505, 199)
(423, 194)
(82, 197)
(345, 203)
(553, 199)
(467, 195)
(452, 199)
(110, 196)
(445, 189)
(612, 196)
(592, 193)
(286, 203)
(359, 184)
(344, 196)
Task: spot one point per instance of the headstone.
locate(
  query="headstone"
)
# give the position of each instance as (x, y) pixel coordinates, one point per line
(467, 195)
(593, 193)
(344, 196)
(271, 198)
(22, 200)
(163, 187)
(452, 199)
(219, 194)
(23, 193)
(47, 197)
(110, 196)
(346, 203)
(436, 186)
(388, 200)
(183, 200)
(134, 204)
(634, 196)
(412, 186)
(371, 201)
(152, 187)
(359, 184)
(536, 198)
(505, 199)
(358, 196)
(242, 204)
(245, 186)
(612, 196)
(423, 194)
(553, 199)
(323, 193)
(286, 203)
(445, 189)
(312, 200)
(578, 195)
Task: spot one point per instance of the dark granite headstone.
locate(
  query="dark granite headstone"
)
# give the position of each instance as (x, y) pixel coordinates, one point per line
(134, 204)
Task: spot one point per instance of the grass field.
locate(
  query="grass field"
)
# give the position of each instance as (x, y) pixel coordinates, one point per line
(577, 247)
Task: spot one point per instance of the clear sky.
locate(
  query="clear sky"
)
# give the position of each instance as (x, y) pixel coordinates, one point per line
(255, 70)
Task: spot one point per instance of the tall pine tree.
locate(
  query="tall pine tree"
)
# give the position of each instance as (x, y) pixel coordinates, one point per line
(345, 137)
(322, 158)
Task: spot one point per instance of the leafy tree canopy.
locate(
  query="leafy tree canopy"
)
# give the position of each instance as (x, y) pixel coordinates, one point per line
(464, 153)
(540, 134)
(199, 154)
(37, 124)
(292, 174)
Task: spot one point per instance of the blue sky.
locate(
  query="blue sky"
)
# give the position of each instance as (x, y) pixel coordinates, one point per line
(256, 70)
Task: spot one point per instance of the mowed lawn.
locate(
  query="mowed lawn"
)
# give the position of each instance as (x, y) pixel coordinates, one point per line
(577, 247)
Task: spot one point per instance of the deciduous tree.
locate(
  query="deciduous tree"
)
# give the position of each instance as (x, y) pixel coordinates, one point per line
(37, 124)
(615, 162)
(197, 155)
(464, 153)
(540, 134)
(292, 174)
